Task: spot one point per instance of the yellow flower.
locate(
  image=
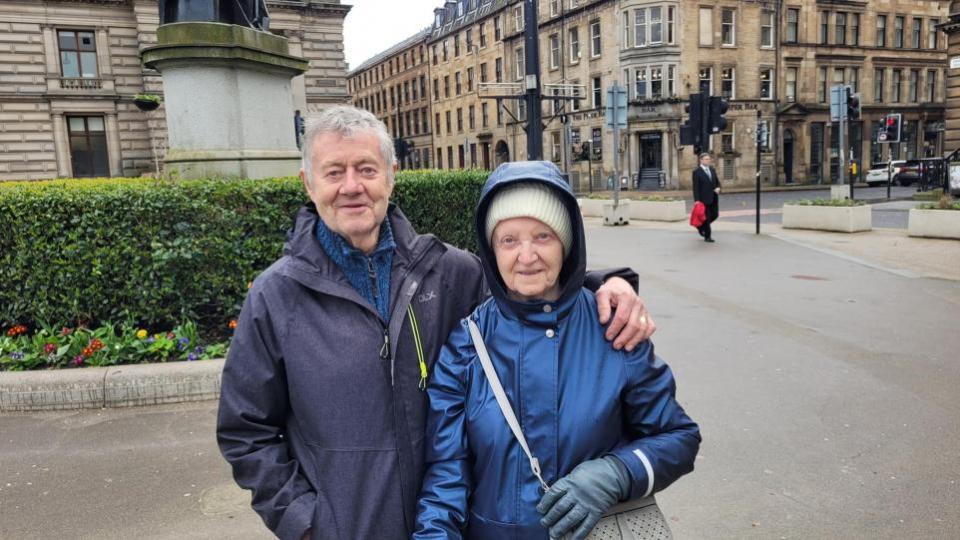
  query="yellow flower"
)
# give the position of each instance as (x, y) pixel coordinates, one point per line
(141, 334)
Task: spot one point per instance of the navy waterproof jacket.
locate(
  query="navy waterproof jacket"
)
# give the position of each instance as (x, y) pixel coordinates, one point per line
(575, 396)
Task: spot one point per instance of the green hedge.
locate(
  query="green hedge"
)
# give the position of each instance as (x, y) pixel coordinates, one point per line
(156, 253)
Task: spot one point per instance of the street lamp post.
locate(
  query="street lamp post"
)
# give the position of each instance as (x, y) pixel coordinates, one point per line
(531, 81)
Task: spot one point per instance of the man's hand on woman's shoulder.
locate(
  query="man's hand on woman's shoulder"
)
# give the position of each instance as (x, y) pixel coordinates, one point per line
(626, 313)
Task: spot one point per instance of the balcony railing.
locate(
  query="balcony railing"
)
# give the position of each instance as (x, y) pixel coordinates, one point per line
(80, 83)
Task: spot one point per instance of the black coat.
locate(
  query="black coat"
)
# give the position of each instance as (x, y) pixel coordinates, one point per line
(704, 185)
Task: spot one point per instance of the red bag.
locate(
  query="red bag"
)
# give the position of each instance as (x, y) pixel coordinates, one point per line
(698, 215)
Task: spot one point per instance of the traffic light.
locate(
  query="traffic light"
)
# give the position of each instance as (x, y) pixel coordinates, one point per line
(718, 107)
(853, 103)
(890, 127)
(692, 132)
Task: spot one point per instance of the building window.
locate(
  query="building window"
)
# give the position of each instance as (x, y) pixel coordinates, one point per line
(594, 39)
(88, 146)
(898, 32)
(931, 85)
(554, 8)
(469, 40)
(437, 124)
(727, 83)
(574, 45)
(499, 113)
(726, 145)
(555, 146)
(457, 83)
(878, 84)
(472, 118)
(640, 83)
(497, 32)
(932, 34)
(518, 18)
(446, 86)
(433, 49)
(439, 158)
(824, 27)
(706, 80)
(793, 25)
(575, 104)
(78, 55)
(449, 157)
(706, 27)
(671, 22)
(855, 29)
(459, 119)
(853, 78)
(447, 115)
(469, 79)
(822, 85)
(791, 85)
(639, 28)
(498, 70)
(656, 25)
(436, 90)
(522, 109)
(897, 83)
(766, 84)
(521, 69)
(672, 80)
(444, 45)
(456, 45)
(728, 32)
(554, 51)
(912, 84)
(483, 72)
(574, 3)
(766, 29)
(840, 29)
(484, 114)
(656, 82)
(917, 32)
(483, 35)
(626, 84)
(597, 93)
(881, 31)
(838, 76)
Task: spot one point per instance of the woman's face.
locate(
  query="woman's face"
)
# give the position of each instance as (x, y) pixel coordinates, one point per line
(529, 257)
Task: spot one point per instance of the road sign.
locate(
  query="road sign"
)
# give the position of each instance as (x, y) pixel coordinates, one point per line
(838, 103)
(616, 109)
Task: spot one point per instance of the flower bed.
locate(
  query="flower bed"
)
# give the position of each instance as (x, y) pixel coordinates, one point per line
(107, 345)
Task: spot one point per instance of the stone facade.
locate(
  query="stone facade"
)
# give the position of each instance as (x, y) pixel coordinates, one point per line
(79, 119)
(893, 55)
(951, 27)
(752, 52)
(394, 85)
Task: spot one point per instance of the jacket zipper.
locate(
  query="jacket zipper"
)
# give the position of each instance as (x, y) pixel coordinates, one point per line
(372, 273)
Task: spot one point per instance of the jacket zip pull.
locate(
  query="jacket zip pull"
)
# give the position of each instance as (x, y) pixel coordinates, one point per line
(385, 349)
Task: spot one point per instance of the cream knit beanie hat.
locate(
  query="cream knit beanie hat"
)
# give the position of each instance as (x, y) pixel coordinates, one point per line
(533, 200)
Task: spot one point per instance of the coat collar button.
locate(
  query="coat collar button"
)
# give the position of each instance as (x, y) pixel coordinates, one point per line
(550, 333)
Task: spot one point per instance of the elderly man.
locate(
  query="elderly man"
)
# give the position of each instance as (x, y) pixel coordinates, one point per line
(322, 408)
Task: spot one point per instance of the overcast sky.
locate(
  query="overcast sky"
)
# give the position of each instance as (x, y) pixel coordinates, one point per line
(374, 25)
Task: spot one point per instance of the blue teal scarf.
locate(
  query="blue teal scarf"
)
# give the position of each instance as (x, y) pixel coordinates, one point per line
(355, 264)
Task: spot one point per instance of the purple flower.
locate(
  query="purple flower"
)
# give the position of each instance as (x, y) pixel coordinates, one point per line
(78, 360)
(191, 357)
(182, 343)
(199, 350)
(16, 355)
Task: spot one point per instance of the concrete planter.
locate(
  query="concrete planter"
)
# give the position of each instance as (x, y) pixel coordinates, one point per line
(934, 223)
(828, 218)
(591, 207)
(658, 210)
(616, 215)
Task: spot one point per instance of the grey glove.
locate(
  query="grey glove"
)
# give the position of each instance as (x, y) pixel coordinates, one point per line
(577, 501)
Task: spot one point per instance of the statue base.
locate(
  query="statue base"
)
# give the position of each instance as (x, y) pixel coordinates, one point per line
(229, 100)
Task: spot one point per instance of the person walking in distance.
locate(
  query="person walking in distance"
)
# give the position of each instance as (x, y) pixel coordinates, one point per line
(706, 189)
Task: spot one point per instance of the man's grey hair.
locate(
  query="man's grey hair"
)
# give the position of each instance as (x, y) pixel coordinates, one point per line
(348, 122)
(703, 155)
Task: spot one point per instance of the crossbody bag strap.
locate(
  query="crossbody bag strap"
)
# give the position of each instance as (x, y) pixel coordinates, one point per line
(502, 400)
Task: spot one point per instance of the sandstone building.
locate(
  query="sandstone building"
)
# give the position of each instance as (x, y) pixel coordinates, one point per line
(70, 68)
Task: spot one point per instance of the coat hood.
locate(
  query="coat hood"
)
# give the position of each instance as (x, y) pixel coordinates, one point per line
(575, 262)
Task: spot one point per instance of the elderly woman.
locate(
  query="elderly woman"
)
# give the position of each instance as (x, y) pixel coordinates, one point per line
(603, 424)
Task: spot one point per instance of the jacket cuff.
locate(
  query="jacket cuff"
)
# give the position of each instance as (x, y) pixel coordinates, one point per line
(298, 518)
(641, 471)
(596, 278)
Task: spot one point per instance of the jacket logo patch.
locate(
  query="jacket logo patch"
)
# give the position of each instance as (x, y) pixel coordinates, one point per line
(427, 296)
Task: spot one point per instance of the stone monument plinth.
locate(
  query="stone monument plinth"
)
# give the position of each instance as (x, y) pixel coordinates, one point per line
(229, 102)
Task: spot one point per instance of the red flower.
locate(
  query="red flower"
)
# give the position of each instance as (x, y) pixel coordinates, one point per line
(49, 348)
(66, 331)
(171, 335)
(233, 324)
(17, 330)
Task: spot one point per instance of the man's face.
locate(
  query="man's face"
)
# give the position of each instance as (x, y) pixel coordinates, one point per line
(351, 185)
(706, 161)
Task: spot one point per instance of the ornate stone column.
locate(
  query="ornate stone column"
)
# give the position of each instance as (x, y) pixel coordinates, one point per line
(952, 113)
